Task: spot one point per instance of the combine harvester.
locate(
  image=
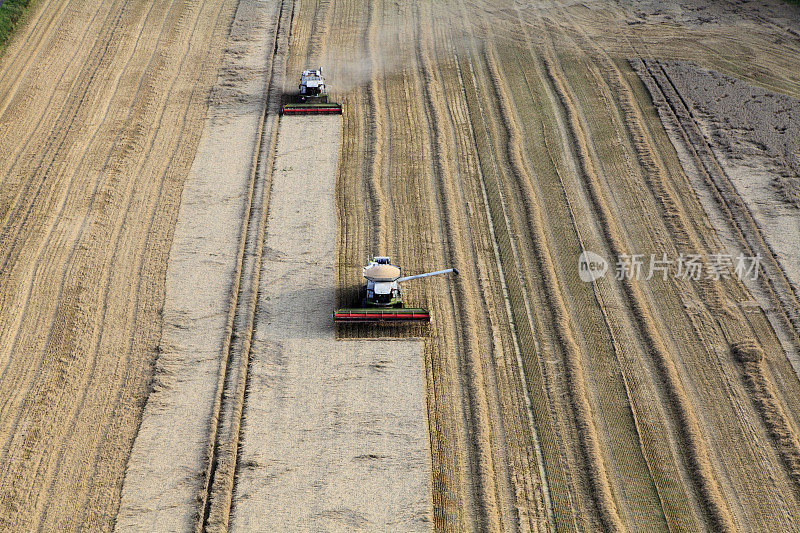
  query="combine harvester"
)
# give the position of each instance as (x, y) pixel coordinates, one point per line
(313, 97)
(383, 302)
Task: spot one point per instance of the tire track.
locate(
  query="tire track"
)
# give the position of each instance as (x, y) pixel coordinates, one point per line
(217, 496)
(221, 497)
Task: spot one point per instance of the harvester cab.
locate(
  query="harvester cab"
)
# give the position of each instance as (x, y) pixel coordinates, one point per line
(383, 299)
(313, 96)
(312, 86)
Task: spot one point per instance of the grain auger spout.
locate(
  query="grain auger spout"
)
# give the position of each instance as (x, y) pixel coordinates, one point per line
(383, 301)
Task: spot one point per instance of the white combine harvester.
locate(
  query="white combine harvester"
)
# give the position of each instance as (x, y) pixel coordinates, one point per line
(383, 300)
(313, 97)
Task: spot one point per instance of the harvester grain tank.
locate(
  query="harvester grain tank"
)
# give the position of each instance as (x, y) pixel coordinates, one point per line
(313, 96)
(383, 299)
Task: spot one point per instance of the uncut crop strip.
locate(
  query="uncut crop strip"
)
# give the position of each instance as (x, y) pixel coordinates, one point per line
(413, 242)
(451, 194)
(376, 118)
(452, 492)
(455, 347)
(445, 413)
(225, 431)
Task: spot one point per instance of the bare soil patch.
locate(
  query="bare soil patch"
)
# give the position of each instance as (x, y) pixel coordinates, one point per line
(755, 134)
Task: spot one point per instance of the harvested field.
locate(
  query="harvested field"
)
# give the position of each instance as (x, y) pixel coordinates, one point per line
(168, 472)
(101, 109)
(511, 138)
(333, 433)
(501, 138)
(754, 134)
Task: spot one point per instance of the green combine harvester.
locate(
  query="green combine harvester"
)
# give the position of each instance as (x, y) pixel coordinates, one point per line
(313, 97)
(383, 301)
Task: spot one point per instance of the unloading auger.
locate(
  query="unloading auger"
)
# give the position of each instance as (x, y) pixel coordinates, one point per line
(383, 301)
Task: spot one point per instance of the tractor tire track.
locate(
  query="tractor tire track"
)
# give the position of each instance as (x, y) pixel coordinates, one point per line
(224, 437)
